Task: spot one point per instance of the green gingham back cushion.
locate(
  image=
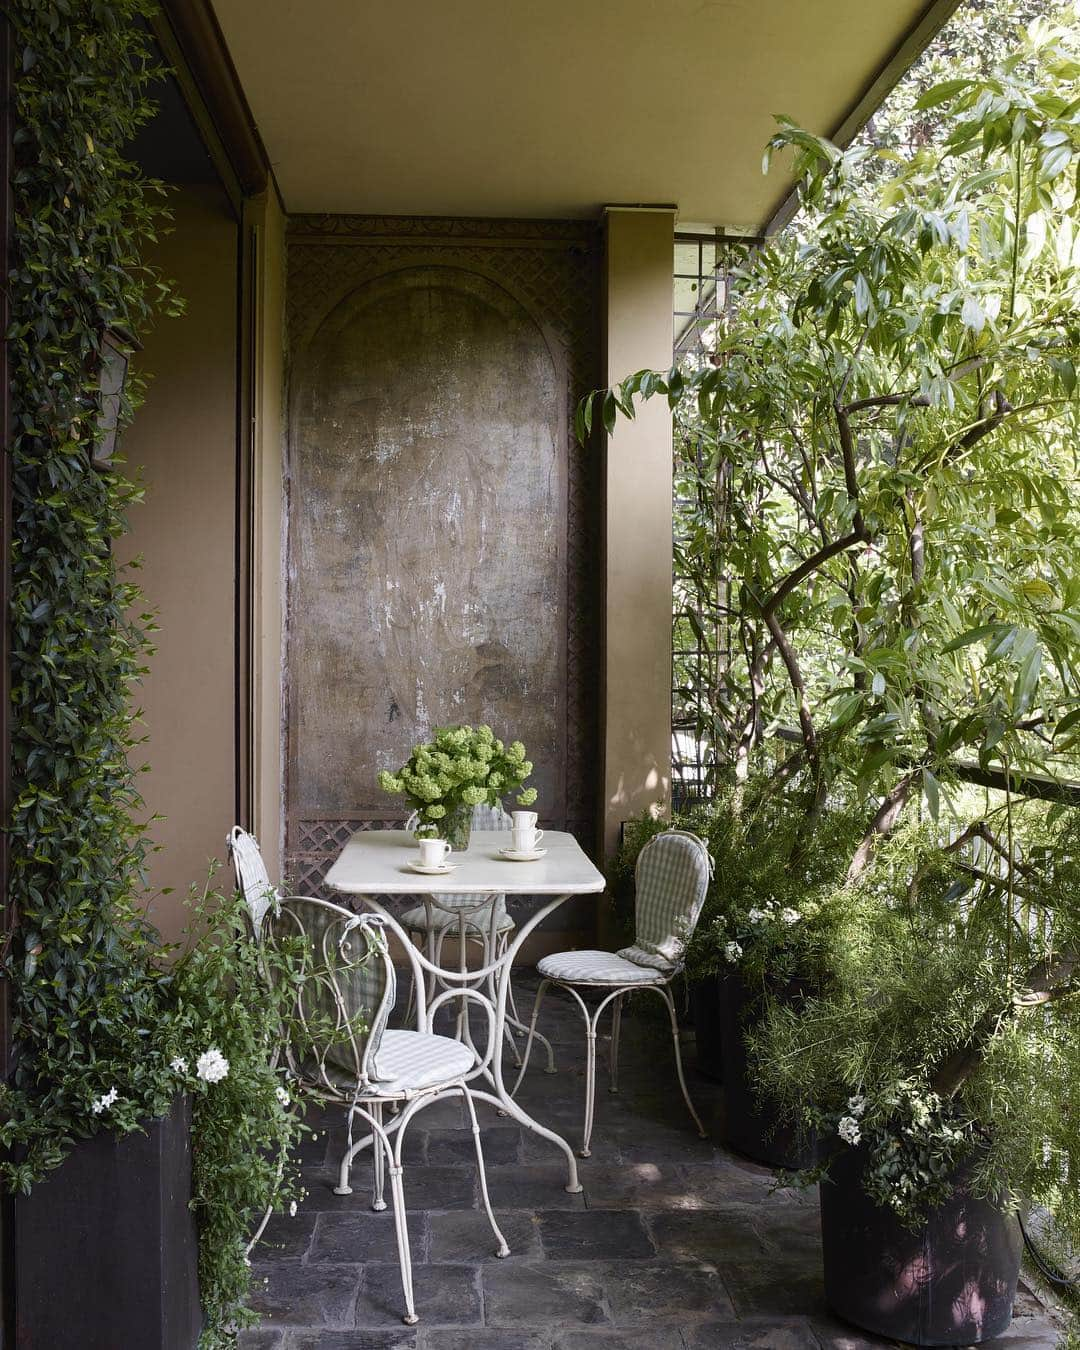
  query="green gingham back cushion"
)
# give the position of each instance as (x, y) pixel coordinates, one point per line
(671, 880)
(484, 817)
(347, 991)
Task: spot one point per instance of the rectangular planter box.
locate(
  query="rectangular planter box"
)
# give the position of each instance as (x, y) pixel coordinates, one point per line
(105, 1247)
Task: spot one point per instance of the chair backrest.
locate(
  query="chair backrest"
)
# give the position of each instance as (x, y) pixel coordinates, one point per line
(671, 881)
(342, 991)
(484, 817)
(252, 878)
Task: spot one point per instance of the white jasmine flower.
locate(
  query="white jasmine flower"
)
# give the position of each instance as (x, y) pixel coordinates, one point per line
(179, 1064)
(1047, 1152)
(856, 1106)
(292, 1210)
(732, 952)
(790, 916)
(281, 1095)
(212, 1066)
(757, 915)
(849, 1131)
(102, 1103)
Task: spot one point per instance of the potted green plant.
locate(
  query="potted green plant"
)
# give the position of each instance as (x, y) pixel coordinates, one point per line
(460, 768)
(940, 1069)
(178, 1125)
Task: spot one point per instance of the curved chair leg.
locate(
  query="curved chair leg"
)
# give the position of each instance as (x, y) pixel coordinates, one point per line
(541, 991)
(616, 1025)
(401, 1228)
(502, 1249)
(665, 993)
(378, 1165)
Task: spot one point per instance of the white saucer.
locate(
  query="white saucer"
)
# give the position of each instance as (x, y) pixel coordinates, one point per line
(439, 870)
(532, 856)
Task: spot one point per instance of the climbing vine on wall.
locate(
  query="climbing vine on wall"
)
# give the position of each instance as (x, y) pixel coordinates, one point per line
(109, 1027)
(81, 214)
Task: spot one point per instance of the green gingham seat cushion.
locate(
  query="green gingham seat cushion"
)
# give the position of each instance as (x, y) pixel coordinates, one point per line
(671, 880)
(604, 968)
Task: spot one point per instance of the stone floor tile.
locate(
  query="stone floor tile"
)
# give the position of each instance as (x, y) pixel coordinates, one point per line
(362, 1235)
(706, 1237)
(404, 1338)
(285, 1237)
(537, 1186)
(763, 1334)
(307, 1296)
(261, 1338)
(656, 1338)
(483, 1338)
(501, 1144)
(465, 1235)
(594, 1235)
(444, 1296)
(765, 1288)
(787, 1229)
(664, 1185)
(547, 1294)
(642, 1293)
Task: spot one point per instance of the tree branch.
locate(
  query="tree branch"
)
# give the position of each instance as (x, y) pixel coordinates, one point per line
(884, 822)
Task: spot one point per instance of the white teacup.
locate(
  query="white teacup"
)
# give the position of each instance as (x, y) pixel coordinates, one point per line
(432, 852)
(525, 838)
(524, 820)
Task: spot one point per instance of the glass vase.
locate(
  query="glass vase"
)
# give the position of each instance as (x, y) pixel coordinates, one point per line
(457, 827)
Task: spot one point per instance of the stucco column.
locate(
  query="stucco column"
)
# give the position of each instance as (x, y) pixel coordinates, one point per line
(636, 697)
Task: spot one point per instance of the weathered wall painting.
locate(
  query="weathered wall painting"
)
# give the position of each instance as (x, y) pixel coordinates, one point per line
(433, 493)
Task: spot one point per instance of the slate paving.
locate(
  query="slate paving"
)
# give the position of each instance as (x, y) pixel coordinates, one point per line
(675, 1243)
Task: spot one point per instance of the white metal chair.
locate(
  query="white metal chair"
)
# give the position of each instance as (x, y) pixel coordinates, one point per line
(671, 881)
(338, 1047)
(488, 926)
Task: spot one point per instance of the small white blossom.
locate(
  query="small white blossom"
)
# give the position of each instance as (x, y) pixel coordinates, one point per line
(732, 952)
(1047, 1152)
(212, 1066)
(856, 1106)
(179, 1064)
(292, 1210)
(281, 1095)
(757, 915)
(790, 916)
(849, 1131)
(102, 1103)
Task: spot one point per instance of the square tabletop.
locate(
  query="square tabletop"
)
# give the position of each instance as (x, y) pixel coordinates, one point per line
(374, 862)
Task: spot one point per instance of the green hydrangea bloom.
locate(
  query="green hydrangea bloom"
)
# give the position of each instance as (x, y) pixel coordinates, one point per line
(515, 751)
(390, 782)
(527, 797)
(435, 811)
(473, 796)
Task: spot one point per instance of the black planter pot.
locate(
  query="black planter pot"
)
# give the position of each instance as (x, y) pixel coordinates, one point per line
(105, 1247)
(952, 1282)
(705, 1004)
(751, 1127)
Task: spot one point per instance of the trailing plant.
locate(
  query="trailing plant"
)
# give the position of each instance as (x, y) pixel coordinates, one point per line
(460, 767)
(947, 1039)
(108, 1028)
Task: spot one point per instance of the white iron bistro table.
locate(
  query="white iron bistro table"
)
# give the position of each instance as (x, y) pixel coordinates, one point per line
(374, 864)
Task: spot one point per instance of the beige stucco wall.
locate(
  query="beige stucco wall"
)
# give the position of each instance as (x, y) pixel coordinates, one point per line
(184, 438)
(638, 557)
